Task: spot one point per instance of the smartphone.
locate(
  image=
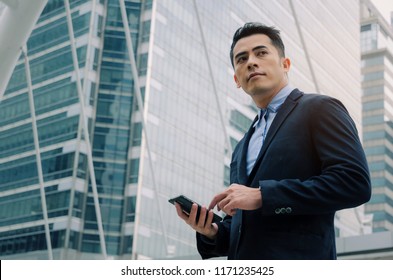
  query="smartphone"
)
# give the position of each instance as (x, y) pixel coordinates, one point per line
(186, 204)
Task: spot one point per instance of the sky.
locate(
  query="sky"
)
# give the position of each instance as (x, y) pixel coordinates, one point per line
(385, 7)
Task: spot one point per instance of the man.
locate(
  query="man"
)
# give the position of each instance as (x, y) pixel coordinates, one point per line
(299, 163)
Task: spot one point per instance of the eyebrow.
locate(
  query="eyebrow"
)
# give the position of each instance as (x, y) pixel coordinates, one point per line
(254, 49)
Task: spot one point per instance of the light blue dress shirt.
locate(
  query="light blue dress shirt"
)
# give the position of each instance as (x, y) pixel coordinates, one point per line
(262, 125)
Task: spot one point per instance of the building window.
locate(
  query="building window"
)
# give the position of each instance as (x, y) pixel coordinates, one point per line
(366, 27)
(239, 121)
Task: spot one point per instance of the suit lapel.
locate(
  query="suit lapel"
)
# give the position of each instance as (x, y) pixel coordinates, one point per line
(289, 104)
(242, 164)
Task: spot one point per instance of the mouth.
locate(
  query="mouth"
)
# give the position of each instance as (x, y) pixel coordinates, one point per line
(254, 74)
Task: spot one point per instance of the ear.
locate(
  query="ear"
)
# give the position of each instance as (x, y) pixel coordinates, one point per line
(237, 81)
(286, 64)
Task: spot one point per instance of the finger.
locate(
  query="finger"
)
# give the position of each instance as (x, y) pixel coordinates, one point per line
(229, 209)
(209, 220)
(193, 214)
(215, 226)
(180, 212)
(202, 217)
(213, 203)
(217, 199)
(223, 204)
(233, 212)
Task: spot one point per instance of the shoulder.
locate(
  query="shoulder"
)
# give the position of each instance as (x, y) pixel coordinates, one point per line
(320, 101)
(316, 98)
(326, 111)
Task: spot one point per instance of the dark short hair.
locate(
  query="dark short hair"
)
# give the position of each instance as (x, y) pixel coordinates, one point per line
(252, 28)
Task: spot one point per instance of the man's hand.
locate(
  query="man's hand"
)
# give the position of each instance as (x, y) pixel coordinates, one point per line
(205, 228)
(237, 197)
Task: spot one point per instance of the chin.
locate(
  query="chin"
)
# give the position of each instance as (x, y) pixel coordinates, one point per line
(260, 91)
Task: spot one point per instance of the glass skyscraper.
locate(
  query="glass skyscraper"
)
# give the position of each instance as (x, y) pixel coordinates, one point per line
(377, 84)
(135, 103)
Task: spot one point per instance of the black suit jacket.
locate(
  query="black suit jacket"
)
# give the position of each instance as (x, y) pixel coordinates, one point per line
(311, 165)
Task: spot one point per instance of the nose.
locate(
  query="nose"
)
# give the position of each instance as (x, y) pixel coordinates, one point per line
(252, 62)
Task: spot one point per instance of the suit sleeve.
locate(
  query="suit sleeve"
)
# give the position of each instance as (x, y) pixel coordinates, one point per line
(215, 248)
(343, 181)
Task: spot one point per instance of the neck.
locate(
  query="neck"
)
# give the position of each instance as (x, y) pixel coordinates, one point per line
(263, 99)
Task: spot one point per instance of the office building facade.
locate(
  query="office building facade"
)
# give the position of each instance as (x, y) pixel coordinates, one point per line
(377, 84)
(135, 103)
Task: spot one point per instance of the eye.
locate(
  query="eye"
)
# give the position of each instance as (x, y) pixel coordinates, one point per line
(262, 53)
(241, 59)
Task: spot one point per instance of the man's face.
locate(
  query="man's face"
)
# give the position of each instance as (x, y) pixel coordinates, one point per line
(259, 69)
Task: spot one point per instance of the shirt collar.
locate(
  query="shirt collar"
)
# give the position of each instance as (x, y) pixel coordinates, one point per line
(277, 101)
(279, 98)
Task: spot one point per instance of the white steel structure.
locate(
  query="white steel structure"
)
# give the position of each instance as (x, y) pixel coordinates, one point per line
(17, 19)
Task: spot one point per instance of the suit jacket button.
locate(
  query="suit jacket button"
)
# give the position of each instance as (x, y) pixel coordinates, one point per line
(289, 210)
(277, 211)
